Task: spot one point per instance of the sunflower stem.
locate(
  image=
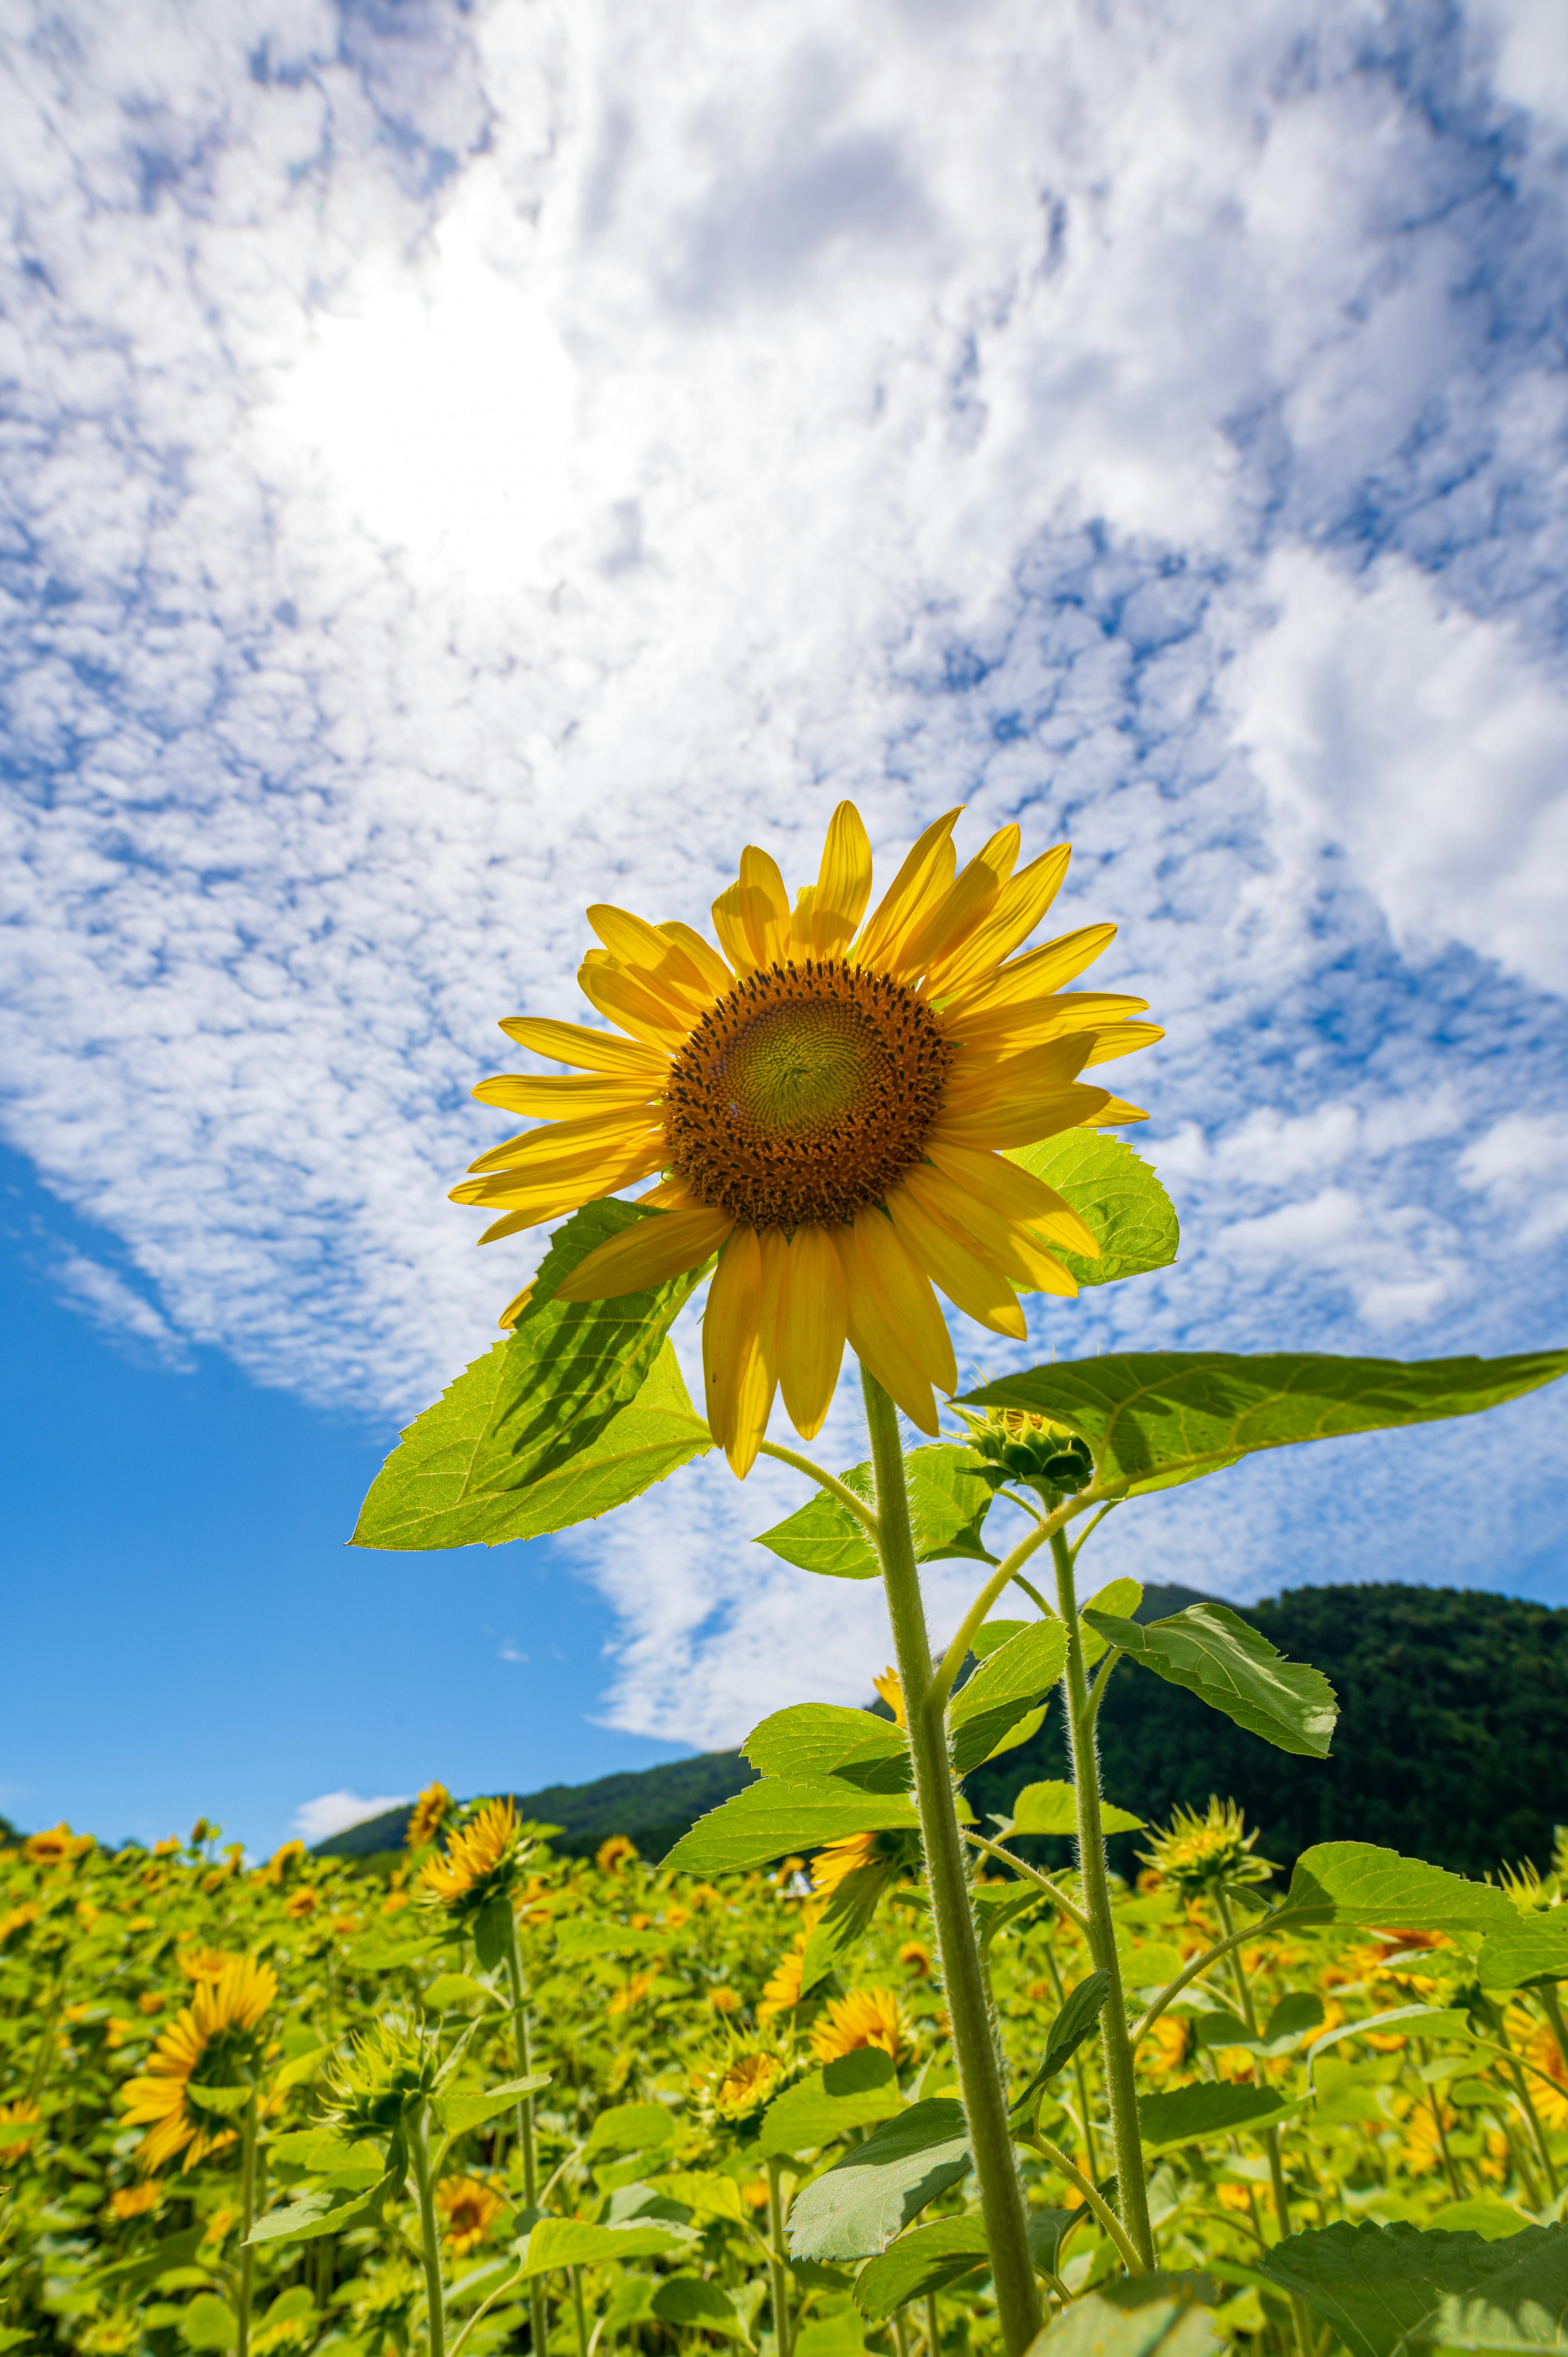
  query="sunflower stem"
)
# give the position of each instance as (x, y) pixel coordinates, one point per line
(247, 2220)
(1132, 2195)
(974, 2035)
(538, 2315)
(430, 2244)
(829, 1481)
(777, 2259)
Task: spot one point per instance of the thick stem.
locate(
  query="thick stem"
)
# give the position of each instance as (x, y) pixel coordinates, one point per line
(247, 2220)
(777, 2259)
(538, 2313)
(419, 2160)
(1132, 2195)
(974, 2042)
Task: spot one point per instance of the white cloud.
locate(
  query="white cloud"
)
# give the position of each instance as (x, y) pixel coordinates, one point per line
(466, 470)
(1419, 738)
(117, 1306)
(334, 1812)
(1520, 1165)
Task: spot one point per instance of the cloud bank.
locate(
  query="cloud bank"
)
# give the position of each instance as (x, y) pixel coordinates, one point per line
(461, 463)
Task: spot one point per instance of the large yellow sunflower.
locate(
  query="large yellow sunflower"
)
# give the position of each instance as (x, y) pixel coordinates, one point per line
(212, 2041)
(827, 1103)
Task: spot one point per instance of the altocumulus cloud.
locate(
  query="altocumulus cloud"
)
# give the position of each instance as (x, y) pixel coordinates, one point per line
(463, 462)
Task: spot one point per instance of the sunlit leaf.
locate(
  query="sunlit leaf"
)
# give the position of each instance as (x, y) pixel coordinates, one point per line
(1143, 2316)
(1007, 1685)
(949, 1500)
(1051, 1807)
(1190, 2114)
(854, 2091)
(459, 2114)
(1078, 2013)
(1164, 1415)
(575, 2243)
(630, 2127)
(1531, 1948)
(1216, 1654)
(814, 1740)
(772, 1817)
(1355, 1882)
(1117, 1196)
(855, 2209)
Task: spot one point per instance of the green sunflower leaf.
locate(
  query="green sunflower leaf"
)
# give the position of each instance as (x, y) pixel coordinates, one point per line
(1051, 1807)
(854, 2091)
(1192, 2115)
(459, 2114)
(1156, 1417)
(1003, 1692)
(855, 2208)
(577, 2243)
(1141, 2315)
(1359, 1883)
(927, 2259)
(771, 1817)
(1117, 1196)
(813, 1739)
(446, 1487)
(949, 1500)
(1222, 1658)
(1532, 1948)
(1388, 2291)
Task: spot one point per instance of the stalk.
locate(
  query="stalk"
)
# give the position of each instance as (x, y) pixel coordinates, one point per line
(1270, 2135)
(974, 2043)
(247, 2220)
(777, 2259)
(582, 2312)
(1132, 2195)
(933, 2330)
(419, 2160)
(538, 2314)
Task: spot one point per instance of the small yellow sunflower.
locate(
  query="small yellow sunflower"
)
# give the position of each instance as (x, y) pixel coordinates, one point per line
(840, 1859)
(828, 1104)
(429, 1814)
(58, 1846)
(872, 2017)
(480, 1860)
(612, 1854)
(781, 1991)
(1197, 1854)
(23, 2114)
(470, 2209)
(211, 2042)
(135, 2200)
(746, 2083)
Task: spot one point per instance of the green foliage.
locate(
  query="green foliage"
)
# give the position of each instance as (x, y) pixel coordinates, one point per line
(854, 2091)
(927, 2259)
(949, 1500)
(984, 1715)
(1211, 1651)
(819, 1738)
(1156, 1418)
(1117, 1196)
(1355, 1882)
(855, 2208)
(1193, 2114)
(1532, 1948)
(1146, 2316)
(1051, 1807)
(1068, 2030)
(1388, 2291)
(772, 1817)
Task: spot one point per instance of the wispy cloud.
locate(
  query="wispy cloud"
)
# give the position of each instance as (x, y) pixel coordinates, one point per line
(468, 464)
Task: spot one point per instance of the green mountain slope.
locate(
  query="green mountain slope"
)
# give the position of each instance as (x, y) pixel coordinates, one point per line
(1451, 1746)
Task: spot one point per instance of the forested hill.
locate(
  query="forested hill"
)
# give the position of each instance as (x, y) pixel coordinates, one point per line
(1452, 1744)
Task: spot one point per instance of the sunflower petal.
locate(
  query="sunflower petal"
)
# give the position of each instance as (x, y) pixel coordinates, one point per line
(812, 1329)
(715, 974)
(591, 1051)
(904, 1294)
(648, 952)
(1033, 975)
(558, 1144)
(971, 1283)
(1122, 1039)
(1025, 1120)
(559, 1100)
(1029, 1022)
(998, 1240)
(842, 885)
(1015, 1194)
(765, 906)
(738, 1378)
(880, 1349)
(648, 1253)
(966, 905)
(660, 1020)
(1110, 1115)
(919, 884)
(576, 1178)
(1021, 902)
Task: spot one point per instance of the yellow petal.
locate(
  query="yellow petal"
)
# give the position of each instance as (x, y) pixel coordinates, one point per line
(1110, 1115)
(971, 1283)
(765, 906)
(1033, 975)
(1001, 1243)
(904, 1293)
(1016, 1194)
(592, 1051)
(515, 1307)
(1003, 1030)
(978, 1072)
(918, 886)
(649, 952)
(1024, 1120)
(559, 1145)
(648, 1253)
(635, 1005)
(842, 885)
(882, 1352)
(730, 926)
(961, 908)
(561, 1100)
(671, 1195)
(739, 1377)
(575, 1178)
(1020, 904)
(715, 974)
(1122, 1039)
(812, 1329)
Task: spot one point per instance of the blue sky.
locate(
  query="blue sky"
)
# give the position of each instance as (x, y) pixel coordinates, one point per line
(462, 462)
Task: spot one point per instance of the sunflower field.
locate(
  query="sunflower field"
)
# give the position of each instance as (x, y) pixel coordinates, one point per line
(499, 2099)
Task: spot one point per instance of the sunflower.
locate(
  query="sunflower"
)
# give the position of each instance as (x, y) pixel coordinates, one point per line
(829, 1104)
(135, 2200)
(872, 2017)
(480, 1860)
(427, 1816)
(781, 1991)
(23, 2114)
(1197, 1855)
(612, 1854)
(470, 2210)
(749, 2081)
(212, 2042)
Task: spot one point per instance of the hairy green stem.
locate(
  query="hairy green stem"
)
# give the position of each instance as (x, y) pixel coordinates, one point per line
(538, 2313)
(777, 2259)
(1029, 1873)
(1132, 2195)
(247, 2220)
(973, 2038)
(953, 1660)
(1085, 2120)
(430, 2241)
(1095, 2200)
(1191, 1972)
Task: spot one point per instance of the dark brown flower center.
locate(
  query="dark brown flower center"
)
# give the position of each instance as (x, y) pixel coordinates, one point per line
(804, 1093)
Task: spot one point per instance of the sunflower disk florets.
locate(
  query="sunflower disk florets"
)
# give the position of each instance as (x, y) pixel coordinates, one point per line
(1198, 1856)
